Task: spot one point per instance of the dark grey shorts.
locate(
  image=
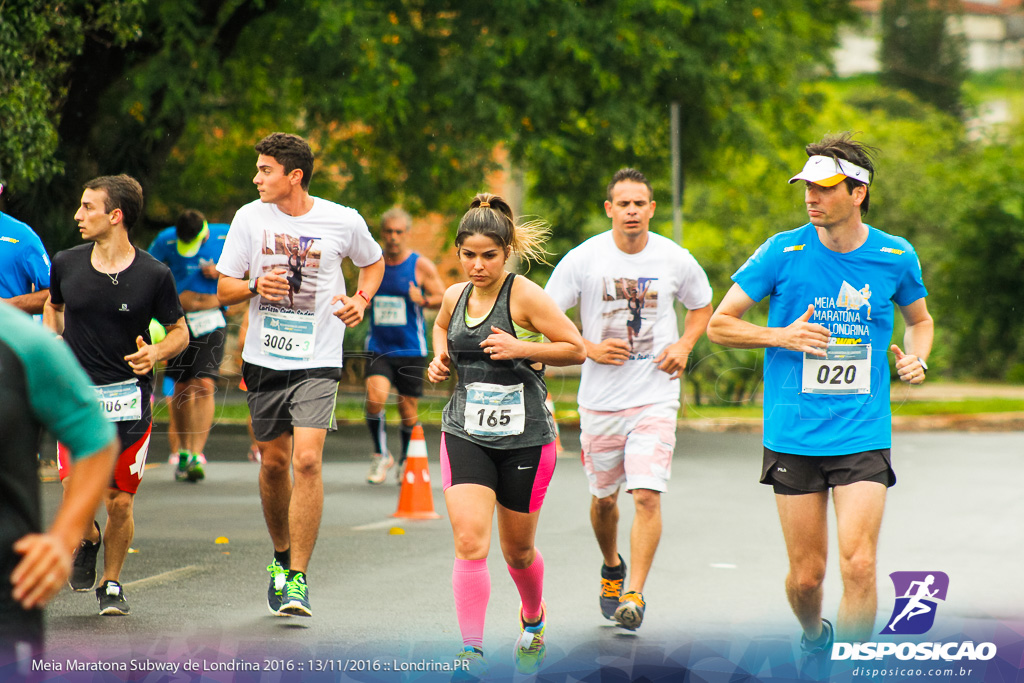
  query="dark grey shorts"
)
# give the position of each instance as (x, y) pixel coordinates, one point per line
(791, 474)
(281, 400)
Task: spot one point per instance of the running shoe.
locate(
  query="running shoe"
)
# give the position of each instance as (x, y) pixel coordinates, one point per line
(194, 471)
(530, 649)
(181, 469)
(83, 568)
(296, 596)
(111, 598)
(470, 665)
(379, 468)
(612, 579)
(275, 594)
(815, 655)
(630, 613)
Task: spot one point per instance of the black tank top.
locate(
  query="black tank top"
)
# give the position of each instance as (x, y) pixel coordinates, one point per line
(497, 403)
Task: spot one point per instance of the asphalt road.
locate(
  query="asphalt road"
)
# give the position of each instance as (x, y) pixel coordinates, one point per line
(383, 600)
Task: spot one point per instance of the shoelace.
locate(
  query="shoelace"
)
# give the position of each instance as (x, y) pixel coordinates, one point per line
(533, 636)
(634, 598)
(611, 588)
(294, 589)
(278, 574)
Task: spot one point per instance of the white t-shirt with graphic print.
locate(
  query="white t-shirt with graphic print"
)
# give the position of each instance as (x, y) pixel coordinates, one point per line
(300, 331)
(629, 297)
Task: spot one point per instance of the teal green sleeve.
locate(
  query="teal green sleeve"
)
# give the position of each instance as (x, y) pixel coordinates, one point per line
(60, 394)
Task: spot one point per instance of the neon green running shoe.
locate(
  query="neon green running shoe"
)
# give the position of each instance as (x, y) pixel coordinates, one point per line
(275, 594)
(296, 596)
(181, 471)
(470, 665)
(194, 471)
(530, 649)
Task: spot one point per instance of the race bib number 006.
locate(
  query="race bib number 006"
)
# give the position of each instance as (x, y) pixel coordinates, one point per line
(288, 335)
(121, 401)
(845, 369)
(495, 409)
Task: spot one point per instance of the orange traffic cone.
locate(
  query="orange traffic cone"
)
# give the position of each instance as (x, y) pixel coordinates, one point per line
(415, 500)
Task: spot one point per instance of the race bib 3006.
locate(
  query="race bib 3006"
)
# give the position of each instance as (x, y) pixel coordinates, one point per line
(287, 335)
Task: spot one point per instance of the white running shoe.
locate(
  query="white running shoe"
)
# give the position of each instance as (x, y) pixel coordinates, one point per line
(379, 468)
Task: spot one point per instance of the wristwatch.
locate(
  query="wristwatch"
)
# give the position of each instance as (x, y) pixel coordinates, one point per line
(252, 284)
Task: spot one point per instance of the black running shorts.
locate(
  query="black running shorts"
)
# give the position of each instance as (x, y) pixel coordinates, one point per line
(201, 358)
(519, 477)
(404, 372)
(791, 474)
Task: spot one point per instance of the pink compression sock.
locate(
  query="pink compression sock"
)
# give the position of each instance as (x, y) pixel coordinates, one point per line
(530, 582)
(472, 585)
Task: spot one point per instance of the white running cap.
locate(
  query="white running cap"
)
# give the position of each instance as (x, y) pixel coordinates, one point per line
(826, 171)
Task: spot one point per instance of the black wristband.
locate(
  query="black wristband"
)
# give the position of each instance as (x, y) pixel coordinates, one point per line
(252, 285)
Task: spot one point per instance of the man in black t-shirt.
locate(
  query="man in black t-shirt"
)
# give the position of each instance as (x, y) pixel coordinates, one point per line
(102, 297)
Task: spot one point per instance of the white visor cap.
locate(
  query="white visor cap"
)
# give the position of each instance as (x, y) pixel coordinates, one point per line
(826, 171)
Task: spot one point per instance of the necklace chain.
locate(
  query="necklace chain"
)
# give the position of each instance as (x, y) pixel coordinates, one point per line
(113, 278)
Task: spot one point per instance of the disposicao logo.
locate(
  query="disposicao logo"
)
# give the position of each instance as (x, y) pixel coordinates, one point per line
(918, 595)
(917, 598)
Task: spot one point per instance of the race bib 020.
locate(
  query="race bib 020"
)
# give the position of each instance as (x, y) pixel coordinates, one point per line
(495, 409)
(845, 369)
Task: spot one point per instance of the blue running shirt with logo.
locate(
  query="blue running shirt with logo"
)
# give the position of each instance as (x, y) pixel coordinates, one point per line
(815, 408)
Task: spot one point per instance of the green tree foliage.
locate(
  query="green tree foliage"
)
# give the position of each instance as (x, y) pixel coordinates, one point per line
(980, 279)
(39, 42)
(920, 54)
(117, 82)
(407, 100)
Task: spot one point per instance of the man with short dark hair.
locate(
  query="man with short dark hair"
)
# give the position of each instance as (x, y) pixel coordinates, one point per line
(103, 296)
(827, 418)
(625, 281)
(293, 350)
(191, 249)
(397, 339)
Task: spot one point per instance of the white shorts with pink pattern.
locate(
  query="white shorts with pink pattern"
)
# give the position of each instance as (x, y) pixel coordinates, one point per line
(633, 446)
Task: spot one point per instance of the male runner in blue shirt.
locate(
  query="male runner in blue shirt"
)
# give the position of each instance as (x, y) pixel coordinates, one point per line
(827, 418)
